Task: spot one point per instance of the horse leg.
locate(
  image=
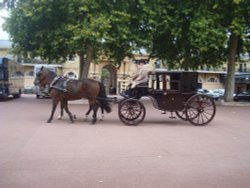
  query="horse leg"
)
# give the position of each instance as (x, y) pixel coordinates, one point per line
(54, 104)
(102, 111)
(94, 108)
(87, 113)
(61, 113)
(65, 105)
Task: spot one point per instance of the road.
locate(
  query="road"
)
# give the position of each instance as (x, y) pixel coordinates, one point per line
(158, 153)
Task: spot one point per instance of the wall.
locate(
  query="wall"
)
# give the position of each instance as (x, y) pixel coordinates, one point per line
(210, 81)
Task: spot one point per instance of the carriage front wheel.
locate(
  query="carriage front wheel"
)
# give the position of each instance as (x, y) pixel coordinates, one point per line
(131, 112)
(200, 109)
(182, 114)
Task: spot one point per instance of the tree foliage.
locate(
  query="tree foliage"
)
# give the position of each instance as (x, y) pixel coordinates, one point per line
(235, 18)
(54, 30)
(189, 34)
(185, 34)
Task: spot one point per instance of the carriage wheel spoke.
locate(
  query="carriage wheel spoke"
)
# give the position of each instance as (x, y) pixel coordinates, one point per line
(131, 112)
(200, 109)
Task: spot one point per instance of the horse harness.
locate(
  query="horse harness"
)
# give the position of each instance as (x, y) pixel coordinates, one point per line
(63, 86)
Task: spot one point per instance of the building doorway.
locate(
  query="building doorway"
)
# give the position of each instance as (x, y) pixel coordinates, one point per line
(109, 79)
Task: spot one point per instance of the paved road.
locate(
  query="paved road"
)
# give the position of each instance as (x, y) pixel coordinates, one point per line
(158, 153)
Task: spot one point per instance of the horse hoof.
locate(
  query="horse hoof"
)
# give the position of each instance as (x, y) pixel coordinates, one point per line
(93, 122)
(49, 121)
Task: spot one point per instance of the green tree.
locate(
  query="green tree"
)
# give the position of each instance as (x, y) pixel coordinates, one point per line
(186, 35)
(127, 32)
(189, 34)
(54, 30)
(234, 16)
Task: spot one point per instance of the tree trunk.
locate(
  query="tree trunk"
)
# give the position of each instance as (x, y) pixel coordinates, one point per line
(81, 65)
(85, 62)
(186, 61)
(230, 81)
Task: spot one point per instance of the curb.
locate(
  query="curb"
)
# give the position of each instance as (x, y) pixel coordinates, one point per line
(223, 103)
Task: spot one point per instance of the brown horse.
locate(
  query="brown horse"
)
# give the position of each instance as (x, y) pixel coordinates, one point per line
(63, 89)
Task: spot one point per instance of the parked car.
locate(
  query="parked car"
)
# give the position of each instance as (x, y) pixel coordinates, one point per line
(220, 92)
(244, 96)
(42, 93)
(29, 90)
(209, 93)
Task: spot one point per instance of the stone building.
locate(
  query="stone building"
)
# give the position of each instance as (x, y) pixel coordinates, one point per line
(116, 79)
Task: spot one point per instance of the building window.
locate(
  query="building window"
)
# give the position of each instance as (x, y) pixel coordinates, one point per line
(242, 67)
(212, 79)
(71, 58)
(71, 75)
(19, 73)
(31, 73)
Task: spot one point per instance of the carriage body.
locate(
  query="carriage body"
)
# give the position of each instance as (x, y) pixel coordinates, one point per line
(173, 91)
(169, 90)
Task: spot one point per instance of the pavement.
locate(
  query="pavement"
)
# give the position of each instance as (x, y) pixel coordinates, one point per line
(159, 153)
(233, 103)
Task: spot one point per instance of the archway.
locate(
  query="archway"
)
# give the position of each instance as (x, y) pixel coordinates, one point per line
(109, 78)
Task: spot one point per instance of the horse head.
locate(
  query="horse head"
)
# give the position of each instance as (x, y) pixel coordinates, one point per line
(42, 78)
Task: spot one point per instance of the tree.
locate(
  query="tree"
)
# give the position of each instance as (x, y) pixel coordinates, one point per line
(54, 30)
(189, 34)
(186, 36)
(127, 32)
(234, 16)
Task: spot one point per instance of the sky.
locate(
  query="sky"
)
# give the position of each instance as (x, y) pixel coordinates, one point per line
(3, 34)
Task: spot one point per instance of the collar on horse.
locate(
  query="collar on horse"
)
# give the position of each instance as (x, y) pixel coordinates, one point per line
(62, 87)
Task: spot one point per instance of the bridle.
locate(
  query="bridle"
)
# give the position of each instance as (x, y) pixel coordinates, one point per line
(40, 80)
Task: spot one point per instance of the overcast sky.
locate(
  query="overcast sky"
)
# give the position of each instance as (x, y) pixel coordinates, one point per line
(3, 34)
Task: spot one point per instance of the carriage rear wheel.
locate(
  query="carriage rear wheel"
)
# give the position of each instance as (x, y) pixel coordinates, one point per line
(200, 109)
(131, 112)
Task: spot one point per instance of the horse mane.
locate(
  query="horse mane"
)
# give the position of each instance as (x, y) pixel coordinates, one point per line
(51, 74)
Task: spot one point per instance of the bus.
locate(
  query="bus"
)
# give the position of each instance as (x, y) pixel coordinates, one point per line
(11, 78)
(43, 93)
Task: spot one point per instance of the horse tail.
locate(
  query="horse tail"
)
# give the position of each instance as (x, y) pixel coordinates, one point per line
(102, 99)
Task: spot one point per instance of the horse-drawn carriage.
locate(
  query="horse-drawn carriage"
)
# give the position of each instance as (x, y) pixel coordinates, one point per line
(171, 91)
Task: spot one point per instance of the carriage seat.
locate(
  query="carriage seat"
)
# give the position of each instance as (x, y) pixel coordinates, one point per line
(142, 85)
(141, 90)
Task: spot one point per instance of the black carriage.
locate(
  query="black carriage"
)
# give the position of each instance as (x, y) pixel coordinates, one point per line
(170, 91)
